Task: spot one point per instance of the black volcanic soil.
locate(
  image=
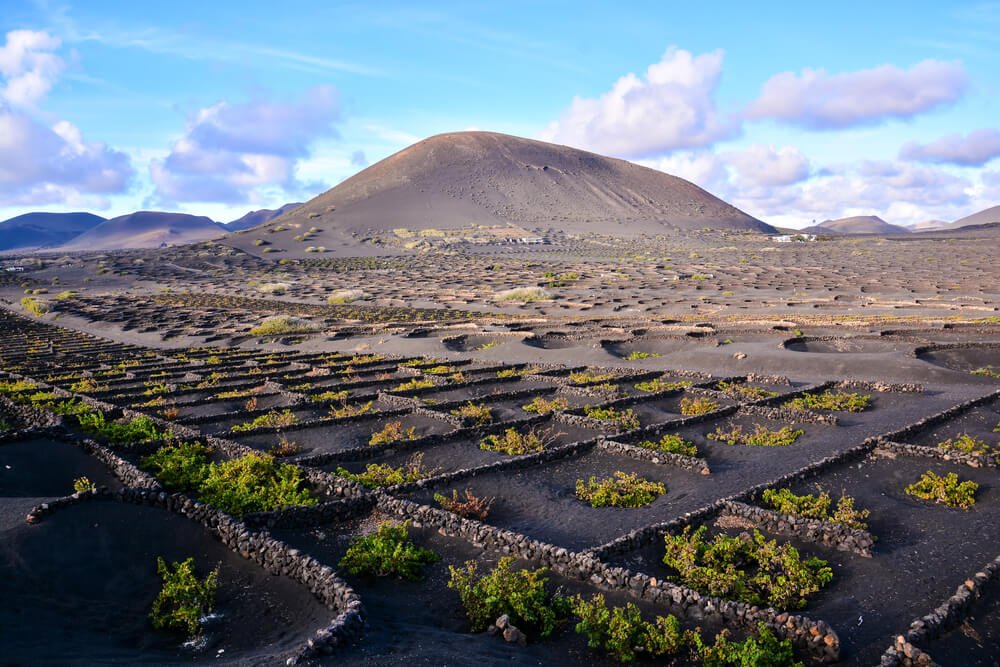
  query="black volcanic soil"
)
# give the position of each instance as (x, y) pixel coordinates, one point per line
(84, 578)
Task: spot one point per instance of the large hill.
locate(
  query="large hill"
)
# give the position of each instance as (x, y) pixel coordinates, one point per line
(43, 230)
(482, 178)
(254, 218)
(984, 217)
(858, 224)
(147, 229)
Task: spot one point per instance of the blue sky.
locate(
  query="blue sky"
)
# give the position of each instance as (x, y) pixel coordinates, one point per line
(216, 108)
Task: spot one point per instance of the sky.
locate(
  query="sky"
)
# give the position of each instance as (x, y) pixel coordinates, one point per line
(792, 113)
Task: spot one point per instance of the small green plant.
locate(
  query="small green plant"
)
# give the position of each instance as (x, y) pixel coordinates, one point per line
(514, 443)
(16, 386)
(468, 507)
(691, 407)
(271, 419)
(280, 325)
(588, 377)
(748, 568)
(440, 369)
(742, 392)
(346, 409)
(135, 430)
(83, 485)
(36, 307)
(488, 346)
(816, 507)
(520, 594)
(543, 406)
(623, 633)
(184, 599)
(87, 386)
(621, 490)
(381, 475)
(239, 393)
(254, 483)
(761, 650)
(945, 490)
(415, 383)
(625, 419)
(672, 444)
(759, 437)
(393, 432)
(180, 467)
(5, 425)
(510, 373)
(829, 400)
(638, 355)
(389, 551)
(659, 384)
(330, 395)
(986, 371)
(967, 444)
(474, 413)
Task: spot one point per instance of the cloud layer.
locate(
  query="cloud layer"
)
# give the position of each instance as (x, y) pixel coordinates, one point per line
(230, 152)
(671, 107)
(817, 100)
(973, 150)
(42, 162)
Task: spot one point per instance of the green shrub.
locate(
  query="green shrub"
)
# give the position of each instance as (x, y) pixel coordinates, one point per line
(588, 377)
(180, 467)
(389, 551)
(514, 443)
(741, 391)
(748, 568)
(5, 425)
(380, 475)
(692, 407)
(672, 444)
(621, 490)
(520, 594)
(829, 400)
(35, 306)
(280, 325)
(346, 409)
(543, 406)
(967, 444)
(183, 600)
(760, 437)
(83, 485)
(87, 385)
(638, 355)
(659, 384)
(415, 383)
(392, 432)
(254, 483)
(622, 632)
(625, 419)
(762, 650)
(135, 430)
(474, 413)
(271, 419)
(945, 490)
(16, 386)
(984, 372)
(816, 507)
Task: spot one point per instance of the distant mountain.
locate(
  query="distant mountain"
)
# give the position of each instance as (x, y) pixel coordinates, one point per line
(984, 217)
(254, 218)
(147, 229)
(928, 225)
(859, 224)
(42, 230)
(463, 179)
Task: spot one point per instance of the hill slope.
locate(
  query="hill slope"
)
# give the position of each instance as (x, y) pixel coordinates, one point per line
(482, 178)
(859, 224)
(254, 218)
(147, 229)
(983, 217)
(40, 230)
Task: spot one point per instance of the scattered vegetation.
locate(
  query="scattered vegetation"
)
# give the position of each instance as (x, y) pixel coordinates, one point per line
(36, 307)
(389, 551)
(986, 371)
(543, 406)
(380, 475)
(284, 448)
(945, 490)
(761, 436)
(761, 650)
(700, 405)
(477, 414)
(672, 444)
(639, 355)
(659, 384)
(346, 409)
(271, 419)
(743, 392)
(280, 325)
(520, 594)
(625, 419)
(829, 400)
(816, 507)
(254, 483)
(179, 467)
(345, 296)
(748, 568)
(393, 432)
(514, 443)
(587, 377)
(967, 444)
(137, 429)
(621, 490)
(87, 386)
(415, 383)
(184, 599)
(622, 632)
(83, 485)
(468, 507)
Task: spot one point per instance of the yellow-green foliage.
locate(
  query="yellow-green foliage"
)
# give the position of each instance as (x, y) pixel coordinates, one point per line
(393, 432)
(542, 406)
(513, 443)
(829, 400)
(621, 490)
(34, 306)
(691, 407)
(673, 444)
(945, 490)
(759, 437)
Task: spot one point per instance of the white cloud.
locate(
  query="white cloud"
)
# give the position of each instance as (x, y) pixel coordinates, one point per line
(234, 152)
(973, 150)
(817, 100)
(672, 107)
(767, 166)
(28, 66)
(703, 168)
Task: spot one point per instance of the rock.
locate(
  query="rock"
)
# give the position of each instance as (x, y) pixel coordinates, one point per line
(515, 636)
(739, 355)
(503, 622)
